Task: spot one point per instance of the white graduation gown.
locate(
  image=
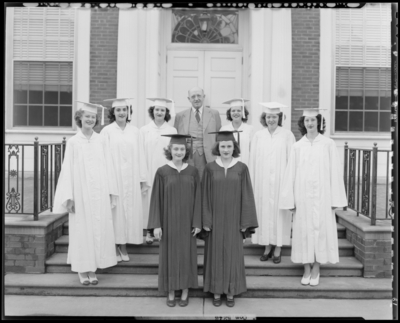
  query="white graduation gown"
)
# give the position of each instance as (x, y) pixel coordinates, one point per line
(313, 184)
(87, 179)
(130, 170)
(269, 155)
(245, 139)
(153, 145)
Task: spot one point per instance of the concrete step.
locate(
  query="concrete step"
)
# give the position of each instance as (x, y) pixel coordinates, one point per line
(346, 248)
(148, 264)
(340, 228)
(147, 286)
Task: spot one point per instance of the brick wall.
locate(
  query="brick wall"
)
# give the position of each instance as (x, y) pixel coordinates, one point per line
(305, 62)
(374, 253)
(103, 58)
(27, 253)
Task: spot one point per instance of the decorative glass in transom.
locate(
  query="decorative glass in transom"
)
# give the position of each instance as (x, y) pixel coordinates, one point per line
(209, 27)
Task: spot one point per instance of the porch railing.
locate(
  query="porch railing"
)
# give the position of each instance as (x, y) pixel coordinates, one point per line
(32, 192)
(361, 182)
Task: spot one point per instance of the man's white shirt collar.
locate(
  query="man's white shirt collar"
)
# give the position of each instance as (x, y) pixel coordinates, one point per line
(233, 162)
(200, 111)
(171, 164)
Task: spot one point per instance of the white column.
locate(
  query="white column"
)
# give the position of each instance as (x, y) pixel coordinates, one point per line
(153, 17)
(259, 62)
(127, 62)
(281, 58)
(82, 56)
(327, 68)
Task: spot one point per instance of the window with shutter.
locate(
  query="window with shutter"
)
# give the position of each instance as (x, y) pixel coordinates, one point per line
(43, 53)
(363, 69)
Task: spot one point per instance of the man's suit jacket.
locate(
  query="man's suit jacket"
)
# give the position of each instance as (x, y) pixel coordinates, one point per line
(211, 123)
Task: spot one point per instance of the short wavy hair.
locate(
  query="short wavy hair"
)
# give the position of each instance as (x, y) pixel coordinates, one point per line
(303, 129)
(168, 154)
(244, 119)
(111, 114)
(236, 149)
(167, 114)
(264, 122)
(78, 116)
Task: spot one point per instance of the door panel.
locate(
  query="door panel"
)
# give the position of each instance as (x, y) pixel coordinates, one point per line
(223, 80)
(185, 71)
(218, 73)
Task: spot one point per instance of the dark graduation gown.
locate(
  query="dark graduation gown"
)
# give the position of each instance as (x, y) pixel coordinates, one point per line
(175, 207)
(228, 207)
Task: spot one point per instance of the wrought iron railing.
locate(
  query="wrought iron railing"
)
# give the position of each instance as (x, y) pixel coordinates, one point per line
(27, 194)
(361, 182)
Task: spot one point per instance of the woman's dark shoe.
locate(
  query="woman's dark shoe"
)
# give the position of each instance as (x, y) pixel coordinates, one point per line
(277, 259)
(185, 302)
(269, 255)
(230, 302)
(171, 303)
(217, 301)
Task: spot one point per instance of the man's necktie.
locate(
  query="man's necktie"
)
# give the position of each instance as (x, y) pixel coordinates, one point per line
(197, 115)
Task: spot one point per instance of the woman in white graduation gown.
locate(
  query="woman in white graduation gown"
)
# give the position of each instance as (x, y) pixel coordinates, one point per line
(130, 169)
(153, 144)
(85, 189)
(269, 154)
(238, 115)
(313, 188)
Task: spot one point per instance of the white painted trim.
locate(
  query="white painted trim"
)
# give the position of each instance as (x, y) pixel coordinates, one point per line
(81, 70)
(281, 60)
(9, 84)
(152, 49)
(45, 132)
(366, 136)
(326, 68)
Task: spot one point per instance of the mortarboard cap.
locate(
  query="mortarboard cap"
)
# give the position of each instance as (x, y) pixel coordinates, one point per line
(273, 108)
(181, 140)
(162, 102)
(237, 103)
(226, 135)
(92, 107)
(122, 102)
(313, 112)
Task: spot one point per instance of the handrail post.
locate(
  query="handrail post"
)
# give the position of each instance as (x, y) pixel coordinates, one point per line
(346, 160)
(64, 142)
(35, 179)
(374, 182)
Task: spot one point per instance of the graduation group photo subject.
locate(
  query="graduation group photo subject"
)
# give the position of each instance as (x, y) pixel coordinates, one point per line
(233, 156)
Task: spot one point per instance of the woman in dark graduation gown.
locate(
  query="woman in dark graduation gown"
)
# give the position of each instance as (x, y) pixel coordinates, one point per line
(229, 211)
(175, 216)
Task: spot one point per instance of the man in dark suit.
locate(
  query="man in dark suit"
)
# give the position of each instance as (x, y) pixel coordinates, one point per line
(198, 121)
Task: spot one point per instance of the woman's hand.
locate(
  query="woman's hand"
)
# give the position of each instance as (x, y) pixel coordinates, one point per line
(158, 233)
(206, 228)
(195, 231)
(71, 206)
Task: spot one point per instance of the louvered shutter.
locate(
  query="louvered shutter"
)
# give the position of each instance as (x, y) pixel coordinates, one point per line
(43, 33)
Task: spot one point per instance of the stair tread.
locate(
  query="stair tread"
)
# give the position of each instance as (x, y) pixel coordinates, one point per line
(251, 261)
(131, 281)
(64, 240)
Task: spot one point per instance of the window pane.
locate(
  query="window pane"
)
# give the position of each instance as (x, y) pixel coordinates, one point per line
(20, 96)
(341, 120)
(210, 27)
(342, 102)
(35, 97)
(20, 115)
(356, 121)
(65, 116)
(65, 95)
(51, 94)
(356, 100)
(51, 116)
(371, 121)
(384, 122)
(35, 116)
(385, 103)
(371, 100)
